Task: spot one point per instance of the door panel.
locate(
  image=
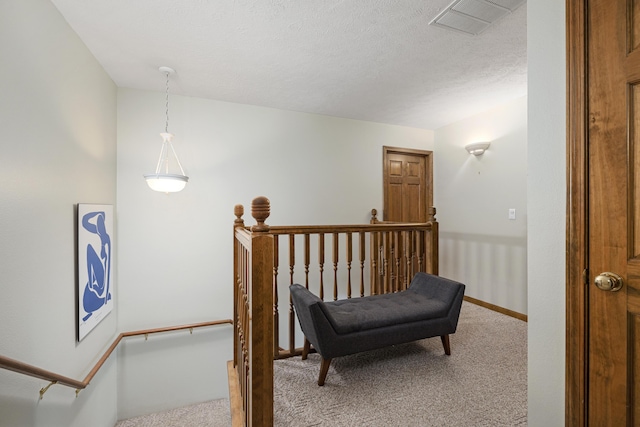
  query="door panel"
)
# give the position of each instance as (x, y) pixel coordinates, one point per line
(613, 211)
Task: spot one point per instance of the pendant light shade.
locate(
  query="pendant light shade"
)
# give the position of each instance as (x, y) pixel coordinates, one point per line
(166, 182)
(162, 179)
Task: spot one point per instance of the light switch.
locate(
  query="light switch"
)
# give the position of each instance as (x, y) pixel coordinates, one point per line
(512, 214)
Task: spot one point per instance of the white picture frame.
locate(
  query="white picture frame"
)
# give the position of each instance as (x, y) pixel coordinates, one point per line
(95, 267)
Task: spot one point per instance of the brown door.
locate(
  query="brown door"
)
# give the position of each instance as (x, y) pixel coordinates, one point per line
(408, 184)
(613, 212)
(408, 191)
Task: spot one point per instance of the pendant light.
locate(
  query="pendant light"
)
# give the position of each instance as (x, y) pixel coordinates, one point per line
(162, 180)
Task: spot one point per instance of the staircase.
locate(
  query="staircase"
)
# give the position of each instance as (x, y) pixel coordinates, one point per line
(214, 413)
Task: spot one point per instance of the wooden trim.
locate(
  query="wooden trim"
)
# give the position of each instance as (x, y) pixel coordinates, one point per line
(497, 308)
(34, 371)
(577, 219)
(235, 399)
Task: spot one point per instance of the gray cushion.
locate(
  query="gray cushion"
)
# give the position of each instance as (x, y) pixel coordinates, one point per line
(360, 314)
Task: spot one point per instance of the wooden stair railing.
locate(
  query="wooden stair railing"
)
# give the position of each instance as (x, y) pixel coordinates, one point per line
(269, 258)
(53, 378)
(391, 253)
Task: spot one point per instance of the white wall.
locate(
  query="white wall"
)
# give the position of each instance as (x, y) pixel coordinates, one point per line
(58, 121)
(479, 245)
(175, 257)
(547, 203)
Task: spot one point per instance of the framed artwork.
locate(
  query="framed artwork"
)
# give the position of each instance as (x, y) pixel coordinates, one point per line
(95, 280)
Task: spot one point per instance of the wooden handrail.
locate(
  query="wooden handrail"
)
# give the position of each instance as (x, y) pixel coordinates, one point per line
(348, 228)
(34, 371)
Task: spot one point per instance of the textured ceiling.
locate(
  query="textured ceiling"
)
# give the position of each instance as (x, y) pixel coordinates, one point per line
(375, 60)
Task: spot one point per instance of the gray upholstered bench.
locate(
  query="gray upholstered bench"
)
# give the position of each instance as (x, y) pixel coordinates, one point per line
(430, 307)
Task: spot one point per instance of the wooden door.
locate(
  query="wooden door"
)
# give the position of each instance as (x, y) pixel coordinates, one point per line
(408, 184)
(408, 192)
(614, 214)
(609, 386)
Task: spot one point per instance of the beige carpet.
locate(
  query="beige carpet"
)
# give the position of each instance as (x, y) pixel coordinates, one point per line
(482, 383)
(214, 413)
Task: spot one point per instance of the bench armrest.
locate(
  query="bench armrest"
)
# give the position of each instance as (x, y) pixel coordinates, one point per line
(435, 287)
(313, 321)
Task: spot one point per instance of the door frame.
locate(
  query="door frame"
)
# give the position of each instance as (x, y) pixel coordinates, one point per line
(577, 226)
(428, 156)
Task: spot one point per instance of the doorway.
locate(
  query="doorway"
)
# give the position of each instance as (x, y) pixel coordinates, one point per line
(408, 184)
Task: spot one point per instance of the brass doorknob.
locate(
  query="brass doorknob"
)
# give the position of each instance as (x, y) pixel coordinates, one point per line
(608, 281)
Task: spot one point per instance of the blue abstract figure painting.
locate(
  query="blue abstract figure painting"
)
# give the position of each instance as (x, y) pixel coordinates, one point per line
(95, 282)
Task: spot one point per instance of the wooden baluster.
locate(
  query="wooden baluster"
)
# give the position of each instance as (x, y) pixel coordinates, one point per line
(245, 353)
(240, 306)
(376, 258)
(396, 257)
(427, 250)
(414, 254)
(407, 257)
(349, 259)
(381, 258)
(335, 265)
(420, 249)
(247, 381)
(385, 251)
(434, 234)
(276, 314)
(292, 263)
(238, 341)
(292, 257)
(390, 263)
(321, 263)
(362, 259)
(375, 254)
(238, 211)
(307, 259)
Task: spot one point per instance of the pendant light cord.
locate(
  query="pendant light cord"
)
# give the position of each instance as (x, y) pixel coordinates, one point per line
(166, 123)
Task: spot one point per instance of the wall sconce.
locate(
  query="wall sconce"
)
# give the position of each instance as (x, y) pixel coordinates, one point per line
(477, 148)
(161, 180)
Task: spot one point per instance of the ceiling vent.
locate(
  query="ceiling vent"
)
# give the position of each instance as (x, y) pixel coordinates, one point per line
(474, 16)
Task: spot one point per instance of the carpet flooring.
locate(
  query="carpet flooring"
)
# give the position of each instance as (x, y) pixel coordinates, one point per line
(482, 383)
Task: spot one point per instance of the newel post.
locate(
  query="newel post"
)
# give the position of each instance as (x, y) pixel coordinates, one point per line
(433, 243)
(260, 211)
(238, 211)
(262, 315)
(374, 216)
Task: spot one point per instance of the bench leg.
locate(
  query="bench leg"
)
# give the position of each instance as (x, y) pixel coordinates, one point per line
(305, 349)
(446, 345)
(324, 368)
